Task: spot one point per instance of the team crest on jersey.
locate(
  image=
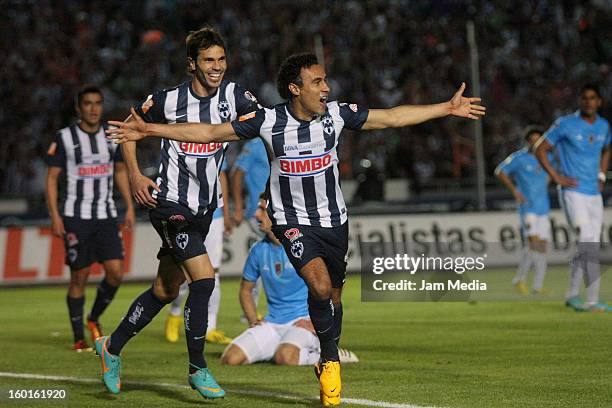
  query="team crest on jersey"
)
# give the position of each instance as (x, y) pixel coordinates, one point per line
(297, 249)
(591, 139)
(292, 234)
(224, 109)
(328, 124)
(182, 240)
(278, 269)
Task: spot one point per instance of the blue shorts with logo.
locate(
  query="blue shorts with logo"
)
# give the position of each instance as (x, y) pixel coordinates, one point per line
(304, 243)
(181, 232)
(90, 241)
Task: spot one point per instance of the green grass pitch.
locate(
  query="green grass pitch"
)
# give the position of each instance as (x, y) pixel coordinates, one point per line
(488, 354)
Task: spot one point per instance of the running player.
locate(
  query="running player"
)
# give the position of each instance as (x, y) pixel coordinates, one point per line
(582, 140)
(306, 203)
(285, 335)
(88, 218)
(221, 223)
(186, 195)
(522, 174)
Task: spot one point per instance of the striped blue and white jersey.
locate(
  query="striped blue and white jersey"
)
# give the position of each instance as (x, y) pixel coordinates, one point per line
(88, 160)
(304, 182)
(189, 172)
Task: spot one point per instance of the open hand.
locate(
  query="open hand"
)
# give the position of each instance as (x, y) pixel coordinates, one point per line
(131, 131)
(466, 107)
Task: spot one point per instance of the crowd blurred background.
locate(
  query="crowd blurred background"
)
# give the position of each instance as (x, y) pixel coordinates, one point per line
(534, 55)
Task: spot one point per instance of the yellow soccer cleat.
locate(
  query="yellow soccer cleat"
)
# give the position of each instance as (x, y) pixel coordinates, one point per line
(173, 326)
(522, 288)
(330, 383)
(217, 337)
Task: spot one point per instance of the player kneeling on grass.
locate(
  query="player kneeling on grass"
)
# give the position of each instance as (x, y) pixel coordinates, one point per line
(522, 174)
(286, 335)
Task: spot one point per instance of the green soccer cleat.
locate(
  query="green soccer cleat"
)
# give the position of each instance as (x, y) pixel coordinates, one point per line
(574, 302)
(203, 381)
(111, 366)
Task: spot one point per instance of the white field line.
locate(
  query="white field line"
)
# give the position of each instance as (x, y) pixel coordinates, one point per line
(355, 401)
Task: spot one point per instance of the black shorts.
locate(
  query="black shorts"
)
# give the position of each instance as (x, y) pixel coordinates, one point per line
(181, 232)
(303, 243)
(90, 241)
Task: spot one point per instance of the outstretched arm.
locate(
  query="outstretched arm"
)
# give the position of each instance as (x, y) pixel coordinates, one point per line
(183, 132)
(406, 115)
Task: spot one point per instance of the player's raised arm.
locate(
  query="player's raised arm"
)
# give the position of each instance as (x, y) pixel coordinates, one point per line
(183, 132)
(406, 115)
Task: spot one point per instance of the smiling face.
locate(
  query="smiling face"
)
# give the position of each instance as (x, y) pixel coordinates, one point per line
(209, 68)
(590, 103)
(311, 96)
(90, 109)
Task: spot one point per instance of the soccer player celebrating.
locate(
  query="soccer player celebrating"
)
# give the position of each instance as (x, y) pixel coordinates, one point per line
(285, 335)
(306, 203)
(88, 218)
(582, 140)
(186, 195)
(220, 224)
(522, 174)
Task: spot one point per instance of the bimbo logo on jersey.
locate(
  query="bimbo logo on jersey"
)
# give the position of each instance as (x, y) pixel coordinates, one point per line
(305, 166)
(199, 149)
(95, 170)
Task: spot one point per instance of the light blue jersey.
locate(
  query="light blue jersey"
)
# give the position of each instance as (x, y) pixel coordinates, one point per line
(253, 161)
(579, 144)
(286, 292)
(531, 180)
(219, 211)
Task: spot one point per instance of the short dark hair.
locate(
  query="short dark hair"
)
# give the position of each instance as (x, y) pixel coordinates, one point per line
(590, 87)
(202, 39)
(289, 72)
(531, 129)
(85, 90)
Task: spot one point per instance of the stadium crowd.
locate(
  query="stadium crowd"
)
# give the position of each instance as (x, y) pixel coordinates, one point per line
(534, 55)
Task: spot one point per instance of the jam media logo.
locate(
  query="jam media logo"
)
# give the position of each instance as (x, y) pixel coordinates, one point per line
(199, 149)
(297, 249)
(292, 234)
(95, 170)
(224, 109)
(182, 240)
(305, 165)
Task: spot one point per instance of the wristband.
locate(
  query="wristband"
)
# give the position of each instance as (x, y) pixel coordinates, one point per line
(602, 176)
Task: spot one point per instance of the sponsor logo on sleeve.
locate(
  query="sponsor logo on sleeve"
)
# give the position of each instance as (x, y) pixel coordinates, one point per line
(353, 107)
(246, 117)
(250, 96)
(147, 104)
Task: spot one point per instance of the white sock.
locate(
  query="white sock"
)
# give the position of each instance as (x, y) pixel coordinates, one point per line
(213, 305)
(592, 275)
(176, 307)
(576, 274)
(524, 265)
(540, 263)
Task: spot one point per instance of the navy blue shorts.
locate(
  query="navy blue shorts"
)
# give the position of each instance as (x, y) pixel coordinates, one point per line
(181, 232)
(90, 241)
(304, 243)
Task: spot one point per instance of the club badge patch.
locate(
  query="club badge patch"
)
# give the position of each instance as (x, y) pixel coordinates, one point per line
(297, 249)
(182, 240)
(224, 109)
